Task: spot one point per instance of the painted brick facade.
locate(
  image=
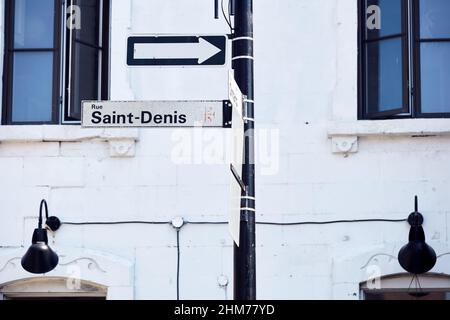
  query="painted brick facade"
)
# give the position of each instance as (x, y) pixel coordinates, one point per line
(306, 86)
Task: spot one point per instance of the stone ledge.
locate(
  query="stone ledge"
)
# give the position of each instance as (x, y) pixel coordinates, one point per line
(344, 135)
(402, 127)
(119, 139)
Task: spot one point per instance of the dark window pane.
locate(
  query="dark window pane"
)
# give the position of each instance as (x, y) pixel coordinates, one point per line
(33, 23)
(384, 75)
(90, 22)
(85, 75)
(434, 19)
(32, 86)
(391, 18)
(435, 77)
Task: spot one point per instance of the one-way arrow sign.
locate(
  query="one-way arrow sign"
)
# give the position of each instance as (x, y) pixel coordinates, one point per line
(176, 50)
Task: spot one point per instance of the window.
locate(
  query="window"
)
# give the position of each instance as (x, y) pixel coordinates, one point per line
(404, 59)
(50, 65)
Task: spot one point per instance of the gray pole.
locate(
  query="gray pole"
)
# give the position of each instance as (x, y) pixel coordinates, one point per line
(242, 62)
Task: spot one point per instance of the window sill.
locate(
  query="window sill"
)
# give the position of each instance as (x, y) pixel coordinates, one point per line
(121, 141)
(345, 135)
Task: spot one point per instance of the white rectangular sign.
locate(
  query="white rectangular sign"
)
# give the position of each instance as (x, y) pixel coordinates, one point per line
(111, 114)
(237, 101)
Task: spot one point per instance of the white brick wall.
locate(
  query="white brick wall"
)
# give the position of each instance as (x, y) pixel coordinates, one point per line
(11, 171)
(53, 172)
(304, 81)
(48, 149)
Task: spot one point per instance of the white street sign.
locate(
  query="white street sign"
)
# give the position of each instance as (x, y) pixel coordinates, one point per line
(111, 114)
(237, 101)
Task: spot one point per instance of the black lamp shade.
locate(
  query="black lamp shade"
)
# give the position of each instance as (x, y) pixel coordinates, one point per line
(39, 258)
(417, 257)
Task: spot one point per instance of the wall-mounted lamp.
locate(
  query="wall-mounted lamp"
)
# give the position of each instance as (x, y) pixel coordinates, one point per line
(417, 257)
(40, 258)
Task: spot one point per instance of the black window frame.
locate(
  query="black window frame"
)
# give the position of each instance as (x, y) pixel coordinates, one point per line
(417, 59)
(59, 100)
(411, 72)
(68, 116)
(8, 65)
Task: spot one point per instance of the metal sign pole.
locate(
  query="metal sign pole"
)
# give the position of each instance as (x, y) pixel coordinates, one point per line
(242, 62)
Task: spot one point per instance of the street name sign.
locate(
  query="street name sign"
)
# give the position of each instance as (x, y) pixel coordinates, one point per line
(236, 186)
(110, 114)
(176, 50)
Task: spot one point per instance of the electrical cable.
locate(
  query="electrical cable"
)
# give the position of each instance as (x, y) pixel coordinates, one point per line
(114, 223)
(229, 13)
(205, 222)
(178, 264)
(223, 223)
(328, 222)
(225, 17)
